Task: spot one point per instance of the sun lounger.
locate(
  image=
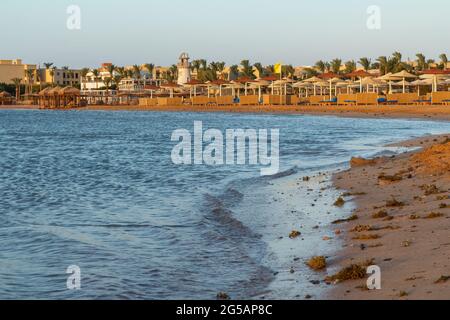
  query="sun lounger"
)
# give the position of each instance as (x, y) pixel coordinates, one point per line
(249, 100)
(346, 99)
(440, 97)
(367, 98)
(402, 98)
(224, 100)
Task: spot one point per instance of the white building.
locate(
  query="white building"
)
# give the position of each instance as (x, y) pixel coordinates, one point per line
(184, 69)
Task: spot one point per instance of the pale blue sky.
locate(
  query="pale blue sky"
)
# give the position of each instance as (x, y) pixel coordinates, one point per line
(298, 32)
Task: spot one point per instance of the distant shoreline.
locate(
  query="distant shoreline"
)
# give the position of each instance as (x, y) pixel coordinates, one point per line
(391, 111)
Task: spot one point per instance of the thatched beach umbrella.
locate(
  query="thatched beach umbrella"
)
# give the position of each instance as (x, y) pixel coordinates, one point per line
(404, 75)
(193, 84)
(151, 88)
(245, 81)
(171, 87)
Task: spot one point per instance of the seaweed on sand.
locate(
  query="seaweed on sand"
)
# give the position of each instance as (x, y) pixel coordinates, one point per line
(352, 272)
(317, 263)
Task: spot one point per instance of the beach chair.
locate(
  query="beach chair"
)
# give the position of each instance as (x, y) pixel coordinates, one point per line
(249, 100)
(440, 97)
(368, 98)
(332, 101)
(224, 100)
(316, 100)
(402, 98)
(346, 99)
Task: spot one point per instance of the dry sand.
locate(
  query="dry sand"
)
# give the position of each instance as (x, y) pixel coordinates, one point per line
(413, 248)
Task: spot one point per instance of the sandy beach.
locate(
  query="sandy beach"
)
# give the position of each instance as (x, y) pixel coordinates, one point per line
(382, 111)
(403, 223)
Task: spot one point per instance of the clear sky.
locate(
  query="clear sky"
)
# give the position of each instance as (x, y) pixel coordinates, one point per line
(298, 32)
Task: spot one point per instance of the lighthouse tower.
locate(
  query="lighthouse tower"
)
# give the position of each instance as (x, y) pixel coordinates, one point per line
(184, 69)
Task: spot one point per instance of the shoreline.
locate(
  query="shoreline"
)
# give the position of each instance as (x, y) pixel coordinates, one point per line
(384, 111)
(394, 233)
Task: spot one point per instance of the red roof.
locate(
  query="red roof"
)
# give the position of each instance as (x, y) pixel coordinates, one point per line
(151, 87)
(358, 73)
(219, 82)
(436, 71)
(244, 80)
(194, 82)
(328, 75)
(170, 85)
(270, 78)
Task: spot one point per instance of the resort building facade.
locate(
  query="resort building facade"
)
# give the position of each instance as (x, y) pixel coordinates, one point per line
(60, 77)
(16, 69)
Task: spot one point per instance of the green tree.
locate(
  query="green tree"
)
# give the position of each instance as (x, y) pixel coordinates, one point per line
(136, 72)
(150, 68)
(444, 60)
(383, 64)
(350, 66)
(17, 82)
(84, 73)
(247, 69)
(421, 62)
(107, 81)
(234, 72)
(365, 63)
(336, 65)
(96, 74)
(321, 66)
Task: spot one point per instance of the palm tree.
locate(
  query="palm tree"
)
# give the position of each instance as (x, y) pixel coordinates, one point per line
(383, 64)
(150, 68)
(234, 72)
(247, 69)
(137, 72)
(107, 81)
(288, 71)
(52, 74)
(444, 60)
(48, 65)
(335, 65)
(398, 56)
(203, 64)
(174, 71)
(29, 75)
(320, 65)
(17, 82)
(258, 66)
(421, 62)
(116, 80)
(111, 68)
(350, 66)
(195, 65)
(96, 74)
(84, 73)
(221, 68)
(365, 63)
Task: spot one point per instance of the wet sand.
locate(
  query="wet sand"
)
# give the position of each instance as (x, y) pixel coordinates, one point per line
(411, 237)
(391, 111)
